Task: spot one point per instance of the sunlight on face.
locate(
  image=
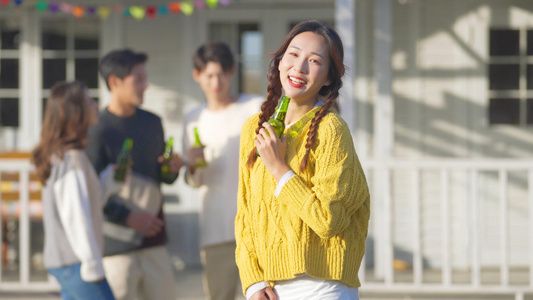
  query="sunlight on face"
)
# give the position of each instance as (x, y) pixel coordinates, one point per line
(304, 67)
(133, 86)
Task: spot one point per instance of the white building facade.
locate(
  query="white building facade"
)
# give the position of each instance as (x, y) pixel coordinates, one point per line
(426, 80)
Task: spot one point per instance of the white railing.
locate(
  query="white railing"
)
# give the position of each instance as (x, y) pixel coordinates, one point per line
(382, 277)
(384, 280)
(24, 282)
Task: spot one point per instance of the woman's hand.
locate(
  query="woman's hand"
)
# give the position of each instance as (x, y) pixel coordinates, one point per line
(264, 294)
(272, 151)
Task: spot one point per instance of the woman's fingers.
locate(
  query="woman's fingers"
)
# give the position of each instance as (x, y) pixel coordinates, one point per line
(268, 128)
(270, 294)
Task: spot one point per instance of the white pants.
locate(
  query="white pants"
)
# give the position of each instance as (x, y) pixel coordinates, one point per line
(309, 288)
(141, 274)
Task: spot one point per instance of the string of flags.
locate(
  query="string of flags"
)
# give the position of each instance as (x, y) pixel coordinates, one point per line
(138, 12)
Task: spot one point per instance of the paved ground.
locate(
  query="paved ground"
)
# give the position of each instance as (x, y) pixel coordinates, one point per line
(189, 287)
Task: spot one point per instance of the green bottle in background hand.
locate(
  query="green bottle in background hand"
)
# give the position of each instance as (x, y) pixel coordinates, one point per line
(124, 160)
(166, 173)
(199, 162)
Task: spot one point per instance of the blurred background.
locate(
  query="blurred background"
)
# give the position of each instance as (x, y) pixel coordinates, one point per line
(438, 95)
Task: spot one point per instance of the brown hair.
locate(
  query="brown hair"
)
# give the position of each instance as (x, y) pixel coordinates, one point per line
(329, 93)
(119, 63)
(64, 127)
(217, 52)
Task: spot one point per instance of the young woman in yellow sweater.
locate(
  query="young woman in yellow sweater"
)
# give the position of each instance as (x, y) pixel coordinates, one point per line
(303, 205)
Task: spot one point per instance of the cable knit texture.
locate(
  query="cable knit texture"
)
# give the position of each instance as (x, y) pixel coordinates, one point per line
(318, 224)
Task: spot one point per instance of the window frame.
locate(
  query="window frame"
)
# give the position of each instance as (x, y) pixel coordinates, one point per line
(521, 93)
(70, 54)
(12, 93)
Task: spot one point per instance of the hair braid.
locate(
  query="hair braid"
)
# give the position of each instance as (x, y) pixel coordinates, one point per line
(313, 128)
(267, 110)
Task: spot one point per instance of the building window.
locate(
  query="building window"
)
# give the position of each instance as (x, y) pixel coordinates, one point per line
(70, 52)
(246, 42)
(9, 71)
(510, 76)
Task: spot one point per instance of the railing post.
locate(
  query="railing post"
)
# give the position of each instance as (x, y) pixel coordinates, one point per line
(388, 239)
(417, 243)
(445, 202)
(24, 227)
(530, 217)
(504, 228)
(475, 227)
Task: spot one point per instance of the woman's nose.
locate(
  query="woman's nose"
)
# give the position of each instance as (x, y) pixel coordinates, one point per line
(300, 65)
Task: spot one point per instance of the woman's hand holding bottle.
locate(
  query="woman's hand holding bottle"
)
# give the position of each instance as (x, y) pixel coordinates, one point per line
(272, 151)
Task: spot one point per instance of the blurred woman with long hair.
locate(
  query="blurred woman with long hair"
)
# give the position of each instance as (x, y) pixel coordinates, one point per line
(73, 195)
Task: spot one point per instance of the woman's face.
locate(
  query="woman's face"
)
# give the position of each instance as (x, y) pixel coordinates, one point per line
(304, 67)
(91, 109)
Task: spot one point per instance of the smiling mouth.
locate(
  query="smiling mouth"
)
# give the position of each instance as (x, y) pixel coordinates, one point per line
(298, 82)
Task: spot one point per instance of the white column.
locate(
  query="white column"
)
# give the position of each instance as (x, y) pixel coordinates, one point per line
(112, 33)
(30, 104)
(383, 138)
(363, 80)
(345, 24)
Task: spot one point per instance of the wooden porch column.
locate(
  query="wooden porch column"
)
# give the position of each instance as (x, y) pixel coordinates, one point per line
(383, 139)
(345, 25)
(30, 78)
(111, 38)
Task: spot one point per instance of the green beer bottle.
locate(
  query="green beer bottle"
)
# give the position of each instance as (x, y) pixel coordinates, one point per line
(124, 160)
(277, 121)
(199, 162)
(166, 173)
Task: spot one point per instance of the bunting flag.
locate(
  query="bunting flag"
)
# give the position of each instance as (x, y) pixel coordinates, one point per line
(138, 12)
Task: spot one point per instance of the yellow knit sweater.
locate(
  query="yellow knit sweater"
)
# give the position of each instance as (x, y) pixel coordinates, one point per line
(318, 224)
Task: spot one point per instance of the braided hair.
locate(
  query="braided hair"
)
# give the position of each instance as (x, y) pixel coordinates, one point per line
(329, 93)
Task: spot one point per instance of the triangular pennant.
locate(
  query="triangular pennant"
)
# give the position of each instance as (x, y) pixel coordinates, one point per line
(150, 12)
(104, 11)
(78, 11)
(91, 10)
(41, 5)
(212, 4)
(187, 8)
(199, 4)
(162, 10)
(137, 12)
(54, 6)
(66, 8)
(174, 7)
